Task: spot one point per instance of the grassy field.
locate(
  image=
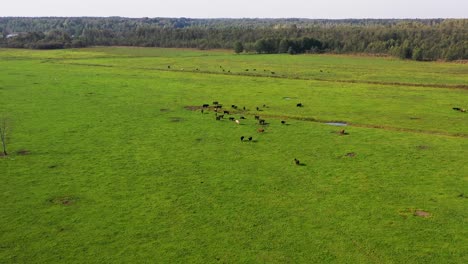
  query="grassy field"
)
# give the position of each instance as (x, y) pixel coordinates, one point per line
(108, 164)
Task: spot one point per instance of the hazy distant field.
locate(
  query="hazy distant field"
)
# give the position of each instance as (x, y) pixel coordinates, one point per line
(109, 163)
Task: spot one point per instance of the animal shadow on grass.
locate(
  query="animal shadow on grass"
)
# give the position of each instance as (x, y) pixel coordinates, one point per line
(298, 163)
(23, 152)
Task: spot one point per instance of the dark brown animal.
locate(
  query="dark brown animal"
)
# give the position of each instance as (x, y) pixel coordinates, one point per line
(261, 130)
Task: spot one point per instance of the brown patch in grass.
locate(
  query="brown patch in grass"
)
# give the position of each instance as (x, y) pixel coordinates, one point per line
(23, 152)
(422, 147)
(164, 110)
(64, 200)
(421, 213)
(350, 154)
(193, 107)
(414, 212)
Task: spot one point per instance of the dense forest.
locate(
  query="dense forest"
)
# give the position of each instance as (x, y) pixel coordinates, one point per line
(418, 39)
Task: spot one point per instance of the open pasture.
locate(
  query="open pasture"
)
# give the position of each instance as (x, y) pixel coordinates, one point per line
(111, 159)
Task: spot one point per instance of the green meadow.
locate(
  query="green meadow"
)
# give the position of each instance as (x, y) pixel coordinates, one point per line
(112, 161)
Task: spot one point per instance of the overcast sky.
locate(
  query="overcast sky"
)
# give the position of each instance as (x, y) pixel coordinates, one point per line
(239, 8)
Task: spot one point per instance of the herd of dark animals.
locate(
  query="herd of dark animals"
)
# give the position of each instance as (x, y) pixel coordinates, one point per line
(217, 106)
(229, 71)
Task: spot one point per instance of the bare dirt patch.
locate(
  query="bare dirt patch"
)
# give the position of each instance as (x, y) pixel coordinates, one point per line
(63, 200)
(350, 154)
(193, 107)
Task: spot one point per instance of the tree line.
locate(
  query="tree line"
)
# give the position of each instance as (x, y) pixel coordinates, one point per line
(418, 39)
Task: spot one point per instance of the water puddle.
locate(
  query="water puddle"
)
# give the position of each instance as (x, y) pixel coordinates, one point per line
(336, 124)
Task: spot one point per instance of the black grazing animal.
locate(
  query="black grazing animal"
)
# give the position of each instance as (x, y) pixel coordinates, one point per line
(243, 107)
(241, 117)
(221, 116)
(168, 66)
(202, 111)
(226, 112)
(258, 109)
(261, 121)
(215, 103)
(272, 72)
(234, 106)
(242, 138)
(232, 118)
(283, 122)
(250, 138)
(205, 105)
(218, 118)
(299, 105)
(297, 162)
(456, 108)
(257, 117)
